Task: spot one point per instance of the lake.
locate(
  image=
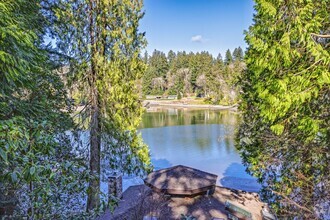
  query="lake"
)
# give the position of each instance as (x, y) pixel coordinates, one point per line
(202, 139)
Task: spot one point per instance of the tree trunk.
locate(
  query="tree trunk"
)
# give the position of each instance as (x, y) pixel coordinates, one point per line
(93, 199)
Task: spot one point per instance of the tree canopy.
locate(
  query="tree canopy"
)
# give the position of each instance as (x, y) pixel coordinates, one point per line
(106, 63)
(44, 169)
(37, 170)
(284, 138)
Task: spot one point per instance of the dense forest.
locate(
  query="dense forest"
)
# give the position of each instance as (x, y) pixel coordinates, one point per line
(194, 74)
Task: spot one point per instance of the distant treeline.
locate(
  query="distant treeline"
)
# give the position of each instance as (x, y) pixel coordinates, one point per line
(194, 74)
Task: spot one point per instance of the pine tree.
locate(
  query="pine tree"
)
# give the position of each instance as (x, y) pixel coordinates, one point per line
(155, 75)
(197, 73)
(228, 57)
(219, 58)
(285, 132)
(146, 57)
(103, 39)
(238, 54)
(235, 54)
(171, 57)
(159, 61)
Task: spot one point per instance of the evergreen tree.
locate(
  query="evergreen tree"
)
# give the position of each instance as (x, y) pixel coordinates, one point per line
(228, 57)
(171, 57)
(219, 58)
(102, 38)
(235, 54)
(285, 134)
(36, 163)
(148, 75)
(197, 73)
(146, 57)
(195, 66)
(219, 64)
(159, 62)
(238, 54)
(155, 75)
(182, 60)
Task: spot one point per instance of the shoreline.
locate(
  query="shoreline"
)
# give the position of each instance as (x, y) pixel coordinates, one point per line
(154, 104)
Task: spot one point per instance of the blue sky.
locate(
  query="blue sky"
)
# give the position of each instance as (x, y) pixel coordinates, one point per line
(196, 25)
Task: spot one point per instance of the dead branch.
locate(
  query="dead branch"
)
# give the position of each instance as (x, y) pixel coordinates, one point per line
(321, 35)
(293, 202)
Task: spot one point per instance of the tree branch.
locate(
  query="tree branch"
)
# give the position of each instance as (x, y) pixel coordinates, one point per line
(292, 202)
(321, 35)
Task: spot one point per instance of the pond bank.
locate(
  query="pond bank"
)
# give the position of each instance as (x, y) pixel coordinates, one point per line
(186, 104)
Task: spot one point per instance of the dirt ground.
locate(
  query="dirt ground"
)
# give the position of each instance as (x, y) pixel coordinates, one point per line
(139, 201)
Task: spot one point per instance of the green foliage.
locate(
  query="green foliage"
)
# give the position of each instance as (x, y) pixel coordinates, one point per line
(104, 44)
(171, 56)
(285, 133)
(179, 96)
(238, 54)
(41, 170)
(146, 57)
(219, 58)
(159, 61)
(37, 168)
(193, 75)
(228, 57)
(154, 77)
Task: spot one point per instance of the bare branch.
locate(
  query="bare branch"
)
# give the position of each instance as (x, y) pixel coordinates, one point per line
(292, 202)
(321, 35)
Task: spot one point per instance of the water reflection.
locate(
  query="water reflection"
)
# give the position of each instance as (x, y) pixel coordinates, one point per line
(161, 117)
(203, 139)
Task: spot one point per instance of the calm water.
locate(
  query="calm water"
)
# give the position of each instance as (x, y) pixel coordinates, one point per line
(203, 139)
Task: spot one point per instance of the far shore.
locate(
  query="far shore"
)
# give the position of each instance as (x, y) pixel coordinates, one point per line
(185, 104)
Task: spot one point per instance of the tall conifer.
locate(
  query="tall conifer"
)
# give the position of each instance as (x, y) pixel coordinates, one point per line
(103, 40)
(284, 137)
(228, 57)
